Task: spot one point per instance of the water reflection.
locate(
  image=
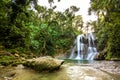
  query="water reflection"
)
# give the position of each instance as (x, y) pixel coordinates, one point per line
(71, 70)
(78, 61)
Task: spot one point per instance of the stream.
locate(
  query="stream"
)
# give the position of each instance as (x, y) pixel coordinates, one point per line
(70, 70)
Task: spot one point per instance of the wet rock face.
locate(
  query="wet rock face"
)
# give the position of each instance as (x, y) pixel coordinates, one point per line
(44, 63)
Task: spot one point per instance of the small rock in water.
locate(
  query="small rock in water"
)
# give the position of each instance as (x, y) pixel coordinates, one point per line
(20, 67)
(91, 78)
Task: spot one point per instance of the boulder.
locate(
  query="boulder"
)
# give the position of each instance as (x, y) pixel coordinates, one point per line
(44, 63)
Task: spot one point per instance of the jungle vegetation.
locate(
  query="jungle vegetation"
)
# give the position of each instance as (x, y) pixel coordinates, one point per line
(107, 27)
(27, 26)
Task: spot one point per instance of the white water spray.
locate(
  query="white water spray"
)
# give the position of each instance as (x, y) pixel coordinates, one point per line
(85, 47)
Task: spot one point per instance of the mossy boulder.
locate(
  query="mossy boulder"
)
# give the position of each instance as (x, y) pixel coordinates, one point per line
(44, 63)
(7, 58)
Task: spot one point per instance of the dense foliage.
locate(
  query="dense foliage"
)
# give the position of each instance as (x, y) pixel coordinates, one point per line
(25, 25)
(107, 26)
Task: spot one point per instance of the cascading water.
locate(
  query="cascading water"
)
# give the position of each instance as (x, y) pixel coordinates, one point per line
(85, 47)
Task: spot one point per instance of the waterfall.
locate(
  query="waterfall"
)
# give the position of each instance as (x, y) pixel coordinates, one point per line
(84, 45)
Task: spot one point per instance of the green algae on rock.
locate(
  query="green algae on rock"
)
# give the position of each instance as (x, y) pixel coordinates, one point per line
(44, 63)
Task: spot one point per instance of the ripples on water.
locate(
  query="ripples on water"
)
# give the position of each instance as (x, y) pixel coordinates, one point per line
(28, 74)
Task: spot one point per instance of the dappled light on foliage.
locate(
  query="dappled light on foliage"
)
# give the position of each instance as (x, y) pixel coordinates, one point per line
(25, 24)
(35, 28)
(108, 25)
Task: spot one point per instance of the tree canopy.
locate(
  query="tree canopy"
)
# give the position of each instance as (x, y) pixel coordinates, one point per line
(107, 25)
(25, 25)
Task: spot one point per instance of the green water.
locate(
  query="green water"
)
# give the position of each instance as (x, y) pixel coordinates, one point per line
(73, 61)
(32, 75)
(67, 70)
(29, 74)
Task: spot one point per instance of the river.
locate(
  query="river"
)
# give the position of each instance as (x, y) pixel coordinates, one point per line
(70, 70)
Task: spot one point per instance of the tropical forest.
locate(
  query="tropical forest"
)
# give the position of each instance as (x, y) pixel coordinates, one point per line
(39, 42)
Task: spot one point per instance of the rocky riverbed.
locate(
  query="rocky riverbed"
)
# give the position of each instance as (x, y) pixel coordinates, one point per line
(98, 70)
(87, 73)
(112, 67)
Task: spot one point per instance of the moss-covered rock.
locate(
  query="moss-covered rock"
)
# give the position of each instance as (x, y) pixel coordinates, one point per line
(44, 63)
(7, 58)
